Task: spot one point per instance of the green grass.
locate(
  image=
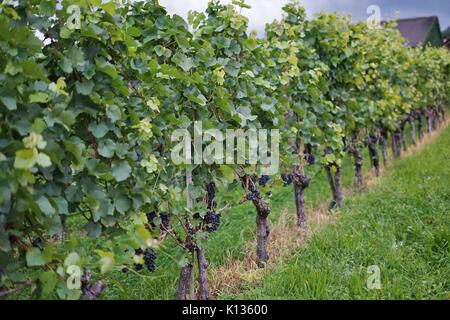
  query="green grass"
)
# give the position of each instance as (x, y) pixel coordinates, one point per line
(402, 226)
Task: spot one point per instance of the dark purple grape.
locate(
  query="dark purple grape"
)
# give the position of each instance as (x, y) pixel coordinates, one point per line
(37, 243)
(310, 159)
(125, 270)
(249, 196)
(150, 218)
(165, 221)
(263, 180)
(373, 138)
(150, 259)
(287, 179)
(212, 220)
(138, 251)
(138, 266)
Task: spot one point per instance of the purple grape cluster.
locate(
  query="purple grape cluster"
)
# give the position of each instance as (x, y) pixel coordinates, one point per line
(138, 267)
(150, 259)
(248, 183)
(138, 252)
(373, 138)
(310, 159)
(149, 256)
(165, 220)
(309, 155)
(253, 195)
(287, 178)
(263, 180)
(212, 221)
(150, 219)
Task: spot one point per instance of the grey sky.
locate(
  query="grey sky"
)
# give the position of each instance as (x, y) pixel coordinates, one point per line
(264, 11)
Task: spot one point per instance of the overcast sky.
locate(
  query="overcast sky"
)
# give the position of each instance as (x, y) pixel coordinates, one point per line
(264, 11)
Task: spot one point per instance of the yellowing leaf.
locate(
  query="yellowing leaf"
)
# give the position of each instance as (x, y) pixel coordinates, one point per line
(109, 7)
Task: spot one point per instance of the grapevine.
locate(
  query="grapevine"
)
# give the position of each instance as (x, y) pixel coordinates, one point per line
(87, 112)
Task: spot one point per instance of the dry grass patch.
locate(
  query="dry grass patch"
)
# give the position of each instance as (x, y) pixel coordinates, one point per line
(285, 239)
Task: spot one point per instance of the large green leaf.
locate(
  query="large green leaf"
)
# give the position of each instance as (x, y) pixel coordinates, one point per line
(121, 170)
(9, 102)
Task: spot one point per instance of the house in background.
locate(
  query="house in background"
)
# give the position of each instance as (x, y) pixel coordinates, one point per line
(421, 31)
(446, 36)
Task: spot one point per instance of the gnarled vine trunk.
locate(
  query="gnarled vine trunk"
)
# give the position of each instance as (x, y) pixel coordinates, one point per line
(428, 116)
(202, 279)
(262, 222)
(403, 136)
(420, 124)
(335, 186)
(263, 232)
(373, 153)
(383, 139)
(184, 282)
(442, 112)
(396, 144)
(90, 291)
(338, 188)
(301, 182)
(412, 129)
(358, 163)
(434, 118)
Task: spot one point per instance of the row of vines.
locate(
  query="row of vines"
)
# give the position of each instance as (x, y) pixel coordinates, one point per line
(91, 91)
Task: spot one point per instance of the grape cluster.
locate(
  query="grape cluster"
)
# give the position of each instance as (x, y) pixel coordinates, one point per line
(253, 195)
(248, 183)
(263, 180)
(149, 256)
(150, 259)
(373, 138)
(212, 220)
(150, 218)
(287, 178)
(310, 159)
(138, 266)
(309, 155)
(165, 220)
